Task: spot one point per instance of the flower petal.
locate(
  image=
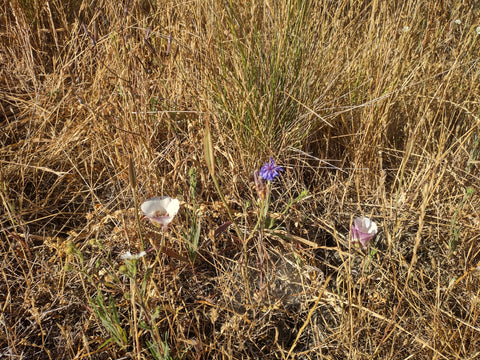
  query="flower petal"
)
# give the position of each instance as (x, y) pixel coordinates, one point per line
(156, 204)
(173, 207)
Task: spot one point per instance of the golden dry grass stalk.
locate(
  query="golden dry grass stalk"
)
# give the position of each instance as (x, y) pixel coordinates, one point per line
(371, 108)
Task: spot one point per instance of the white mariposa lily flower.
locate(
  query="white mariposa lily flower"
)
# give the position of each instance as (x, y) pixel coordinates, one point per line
(363, 230)
(128, 255)
(161, 210)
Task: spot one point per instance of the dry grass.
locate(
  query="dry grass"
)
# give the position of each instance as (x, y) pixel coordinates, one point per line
(372, 107)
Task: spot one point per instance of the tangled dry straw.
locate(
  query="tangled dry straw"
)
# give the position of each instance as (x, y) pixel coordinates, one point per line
(371, 108)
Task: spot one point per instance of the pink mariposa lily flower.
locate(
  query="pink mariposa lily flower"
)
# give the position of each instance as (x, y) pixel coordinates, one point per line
(363, 230)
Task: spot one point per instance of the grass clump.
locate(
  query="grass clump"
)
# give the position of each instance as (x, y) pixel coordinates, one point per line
(370, 108)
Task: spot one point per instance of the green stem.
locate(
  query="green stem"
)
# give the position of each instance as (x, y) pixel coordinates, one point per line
(263, 214)
(133, 185)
